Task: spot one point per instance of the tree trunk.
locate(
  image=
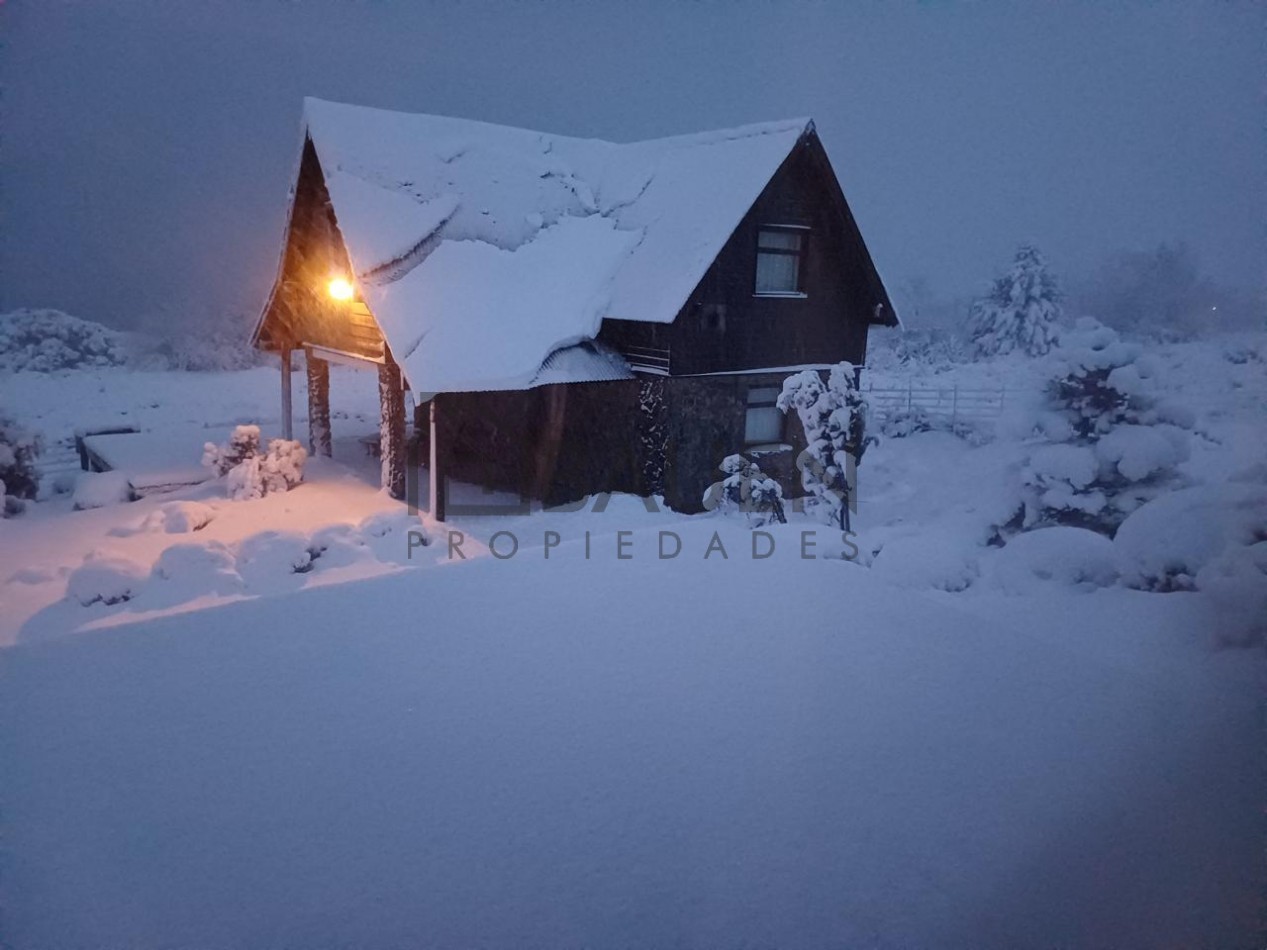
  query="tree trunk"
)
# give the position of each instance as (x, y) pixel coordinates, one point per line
(318, 407)
(391, 400)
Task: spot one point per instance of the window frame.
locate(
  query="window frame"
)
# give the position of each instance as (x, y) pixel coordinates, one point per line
(802, 231)
(773, 403)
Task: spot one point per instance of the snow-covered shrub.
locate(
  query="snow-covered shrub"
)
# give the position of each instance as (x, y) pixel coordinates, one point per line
(1236, 581)
(194, 570)
(746, 488)
(250, 472)
(18, 452)
(42, 341)
(197, 342)
(904, 422)
(1021, 311)
(834, 417)
(179, 517)
(1068, 557)
(1114, 444)
(1166, 543)
(102, 489)
(1241, 352)
(270, 560)
(105, 579)
(916, 349)
(934, 559)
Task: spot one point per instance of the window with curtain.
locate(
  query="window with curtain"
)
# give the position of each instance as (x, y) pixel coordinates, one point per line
(764, 422)
(779, 253)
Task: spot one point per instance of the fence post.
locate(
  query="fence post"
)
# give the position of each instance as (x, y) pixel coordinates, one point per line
(954, 406)
(910, 392)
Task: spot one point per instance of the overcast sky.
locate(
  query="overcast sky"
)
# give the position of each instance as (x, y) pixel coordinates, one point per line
(147, 145)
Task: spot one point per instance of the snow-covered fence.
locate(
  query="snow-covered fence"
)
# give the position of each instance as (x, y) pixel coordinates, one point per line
(945, 405)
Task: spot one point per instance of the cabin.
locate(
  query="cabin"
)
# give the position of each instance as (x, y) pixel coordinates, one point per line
(567, 316)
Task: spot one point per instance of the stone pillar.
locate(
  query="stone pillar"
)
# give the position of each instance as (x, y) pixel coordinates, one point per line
(318, 406)
(391, 401)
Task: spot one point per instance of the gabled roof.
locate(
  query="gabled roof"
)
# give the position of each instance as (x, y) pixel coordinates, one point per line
(482, 249)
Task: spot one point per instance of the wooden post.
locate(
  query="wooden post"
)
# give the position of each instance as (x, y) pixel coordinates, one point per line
(318, 406)
(288, 422)
(433, 466)
(391, 428)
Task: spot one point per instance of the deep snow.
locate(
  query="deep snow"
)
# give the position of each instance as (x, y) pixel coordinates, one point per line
(293, 727)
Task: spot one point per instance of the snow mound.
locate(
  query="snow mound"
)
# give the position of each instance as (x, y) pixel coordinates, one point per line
(106, 579)
(100, 489)
(1164, 544)
(1068, 557)
(271, 560)
(179, 517)
(1236, 583)
(386, 535)
(192, 570)
(935, 560)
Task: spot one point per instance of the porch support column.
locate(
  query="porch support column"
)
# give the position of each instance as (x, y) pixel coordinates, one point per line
(391, 401)
(433, 465)
(288, 420)
(318, 406)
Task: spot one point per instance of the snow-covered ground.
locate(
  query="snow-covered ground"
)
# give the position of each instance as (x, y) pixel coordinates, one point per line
(296, 726)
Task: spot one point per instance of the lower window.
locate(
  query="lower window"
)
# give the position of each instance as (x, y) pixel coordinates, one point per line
(764, 422)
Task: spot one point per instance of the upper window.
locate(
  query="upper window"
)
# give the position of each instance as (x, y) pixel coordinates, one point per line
(779, 254)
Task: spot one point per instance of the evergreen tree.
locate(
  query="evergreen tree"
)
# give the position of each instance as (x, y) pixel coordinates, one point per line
(1020, 312)
(834, 416)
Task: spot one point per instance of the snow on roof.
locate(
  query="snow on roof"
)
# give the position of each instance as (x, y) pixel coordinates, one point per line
(588, 362)
(482, 249)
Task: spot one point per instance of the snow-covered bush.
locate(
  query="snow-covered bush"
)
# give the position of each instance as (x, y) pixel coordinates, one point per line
(904, 422)
(1067, 557)
(106, 579)
(197, 342)
(1167, 543)
(746, 488)
(1021, 311)
(18, 452)
(834, 416)
(249, 471)
(922, 349)
(934, 559)
(42, 341)
(1114, 444)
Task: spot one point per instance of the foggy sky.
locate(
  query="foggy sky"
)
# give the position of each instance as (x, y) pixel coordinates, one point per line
(146, 146)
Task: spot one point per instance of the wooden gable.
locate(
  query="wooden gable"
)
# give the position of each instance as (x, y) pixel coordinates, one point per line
(300, 310)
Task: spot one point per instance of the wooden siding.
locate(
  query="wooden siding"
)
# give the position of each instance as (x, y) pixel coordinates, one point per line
(726, 327)
(300, 310)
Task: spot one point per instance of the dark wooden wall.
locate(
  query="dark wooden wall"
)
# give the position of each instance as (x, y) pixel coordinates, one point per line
(560, 443)
(724, 326)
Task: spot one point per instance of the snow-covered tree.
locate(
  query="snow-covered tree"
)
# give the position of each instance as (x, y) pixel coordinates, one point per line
(43, 341)
(251, 472)
(1020, 312)
(18, 451)
(746, 488)
(1113, 444)
(834, 416)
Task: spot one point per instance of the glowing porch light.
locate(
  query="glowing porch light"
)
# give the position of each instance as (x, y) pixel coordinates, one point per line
(341, 289)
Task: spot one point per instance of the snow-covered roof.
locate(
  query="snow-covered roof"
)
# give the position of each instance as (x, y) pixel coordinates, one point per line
(483, 249)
